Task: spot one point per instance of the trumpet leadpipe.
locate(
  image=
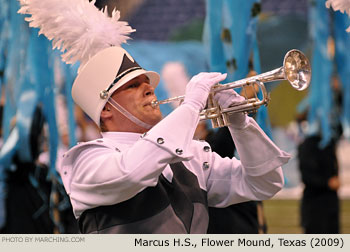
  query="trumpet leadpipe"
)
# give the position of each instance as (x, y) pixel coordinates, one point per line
(156, 103)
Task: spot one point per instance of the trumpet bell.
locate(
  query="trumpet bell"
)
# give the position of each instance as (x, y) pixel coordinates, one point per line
(297, 69)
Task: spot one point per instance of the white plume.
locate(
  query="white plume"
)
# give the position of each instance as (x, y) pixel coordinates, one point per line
(340, 5)
(76, 27)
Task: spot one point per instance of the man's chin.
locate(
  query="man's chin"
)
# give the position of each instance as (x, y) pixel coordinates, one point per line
(154, 119)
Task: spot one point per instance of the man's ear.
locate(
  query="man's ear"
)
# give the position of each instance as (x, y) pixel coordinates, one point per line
(106, 113)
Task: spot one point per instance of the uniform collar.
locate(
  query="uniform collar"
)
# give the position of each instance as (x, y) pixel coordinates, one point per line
(122, 137)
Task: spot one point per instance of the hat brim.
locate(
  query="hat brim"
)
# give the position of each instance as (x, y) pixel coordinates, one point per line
(153, 79)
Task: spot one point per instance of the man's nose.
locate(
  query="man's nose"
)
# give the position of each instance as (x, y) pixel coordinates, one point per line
(148, 89)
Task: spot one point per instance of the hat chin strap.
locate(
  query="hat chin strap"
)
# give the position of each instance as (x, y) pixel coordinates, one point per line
(128, 115)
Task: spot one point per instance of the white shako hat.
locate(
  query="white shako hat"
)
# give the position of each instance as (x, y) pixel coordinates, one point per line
(103, 74)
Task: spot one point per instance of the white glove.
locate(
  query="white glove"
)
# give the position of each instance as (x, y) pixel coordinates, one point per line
(227, 98)
(197, 90)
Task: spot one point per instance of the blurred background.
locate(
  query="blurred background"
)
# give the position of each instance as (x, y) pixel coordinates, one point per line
(178, 39)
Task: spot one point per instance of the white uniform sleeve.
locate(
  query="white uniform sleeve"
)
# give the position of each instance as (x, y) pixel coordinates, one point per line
(257, 152)
(98, 175)
(257, 176)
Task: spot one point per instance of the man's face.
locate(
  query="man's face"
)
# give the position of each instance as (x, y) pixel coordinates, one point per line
(136, 96)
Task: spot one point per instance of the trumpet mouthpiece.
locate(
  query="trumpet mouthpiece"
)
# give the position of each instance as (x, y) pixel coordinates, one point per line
(155, 103)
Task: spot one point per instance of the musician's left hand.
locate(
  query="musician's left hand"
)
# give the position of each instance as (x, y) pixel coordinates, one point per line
(227, 98)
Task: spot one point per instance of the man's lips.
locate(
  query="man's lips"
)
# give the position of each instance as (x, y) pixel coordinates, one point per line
(149, 103)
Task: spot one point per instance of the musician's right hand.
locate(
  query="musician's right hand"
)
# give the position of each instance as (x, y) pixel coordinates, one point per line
(198, 88)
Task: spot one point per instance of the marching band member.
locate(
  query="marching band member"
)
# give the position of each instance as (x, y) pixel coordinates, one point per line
(147, 174)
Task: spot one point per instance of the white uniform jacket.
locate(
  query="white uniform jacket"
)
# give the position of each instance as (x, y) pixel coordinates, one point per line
(118, 166)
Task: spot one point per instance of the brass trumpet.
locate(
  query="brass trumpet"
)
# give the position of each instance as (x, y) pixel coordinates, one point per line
(296, 69)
